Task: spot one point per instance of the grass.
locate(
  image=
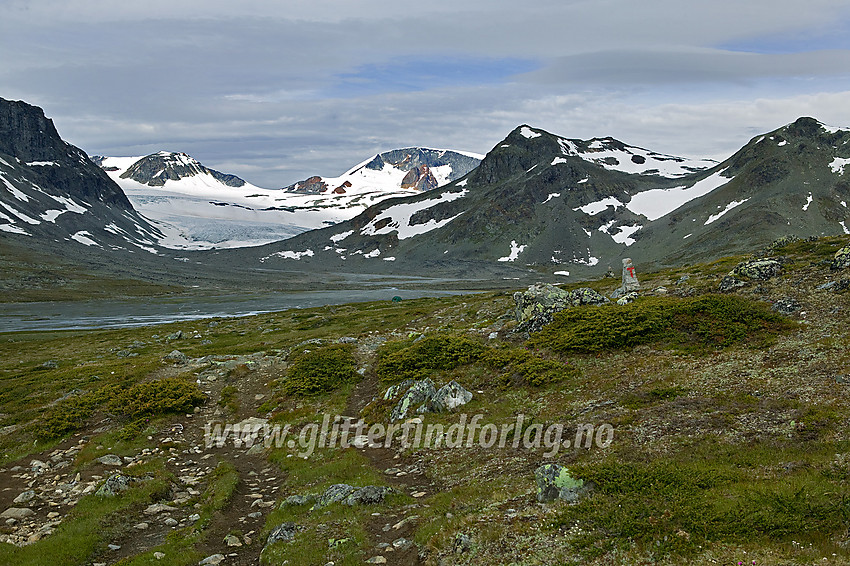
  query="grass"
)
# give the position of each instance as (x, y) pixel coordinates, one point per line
(83, 535)
(729, 422)
(708, 495)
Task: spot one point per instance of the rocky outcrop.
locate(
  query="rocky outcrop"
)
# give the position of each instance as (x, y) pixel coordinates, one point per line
(842, 258)
(425, 397)
(757, 269)
(536, 306)
(419, 178)
(554, 482)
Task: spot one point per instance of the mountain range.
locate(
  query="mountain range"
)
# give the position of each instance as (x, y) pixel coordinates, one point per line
(572, 208)
(200, 208)
(536, 206)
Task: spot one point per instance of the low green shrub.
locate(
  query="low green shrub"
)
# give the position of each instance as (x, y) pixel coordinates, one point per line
(530, 368)
(158, 397)
(320, 370)
(696, 324)
(417, 359)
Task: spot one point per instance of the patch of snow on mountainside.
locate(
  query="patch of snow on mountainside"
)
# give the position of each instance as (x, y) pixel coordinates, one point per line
(630, 159)
(396, 218)
(516, 249)
(729, 207)
(838, 164)
(656, 203)
(595, 208)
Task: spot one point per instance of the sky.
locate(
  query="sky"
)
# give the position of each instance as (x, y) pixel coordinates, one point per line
(277, 91)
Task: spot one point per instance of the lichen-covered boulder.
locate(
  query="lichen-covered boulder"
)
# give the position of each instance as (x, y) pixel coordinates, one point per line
(536, 306)
(757, 269)
(419, 393)
(350, 495)
(115, 484)
(297, 500)
(284, 532)
(449, 397)
(786, 306)
(842, 258)
(368, 495)
(555, 482)
(334, 494)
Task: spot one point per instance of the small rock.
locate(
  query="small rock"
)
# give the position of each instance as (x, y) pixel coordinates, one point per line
(177, 357)
(213, 560)
(786, 306)
(17, 513)
(171, 522)
(232, 540)
(141, 526)
(295, 500)
(113, 547)
(25, 497)
(50, 364)
(194, 517)
(377, 560)
(159, 555)
(52, 515)
(111, 460)
(462, 543)
(729, 283)
(284, 532)
(114, 485)
(158, 508)
(449, 397)
(175, 336)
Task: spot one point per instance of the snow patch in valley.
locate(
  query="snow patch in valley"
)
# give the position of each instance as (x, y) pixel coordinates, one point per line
(374, 253)
(656, 203)
(43, 164)
(808, 202)
(559, 160)
(564, 273)
(389, 258)
(550, 197)
(516, 249)
(729, 207)
(846, 231)
(463, 183)
(290, 254)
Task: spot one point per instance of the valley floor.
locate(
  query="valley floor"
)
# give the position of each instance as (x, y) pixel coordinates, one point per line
(730, 427)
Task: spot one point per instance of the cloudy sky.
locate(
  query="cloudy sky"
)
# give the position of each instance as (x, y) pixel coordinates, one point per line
(275, 91)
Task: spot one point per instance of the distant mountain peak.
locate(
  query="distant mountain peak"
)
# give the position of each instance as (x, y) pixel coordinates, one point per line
(412, 168)
(157, 168)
